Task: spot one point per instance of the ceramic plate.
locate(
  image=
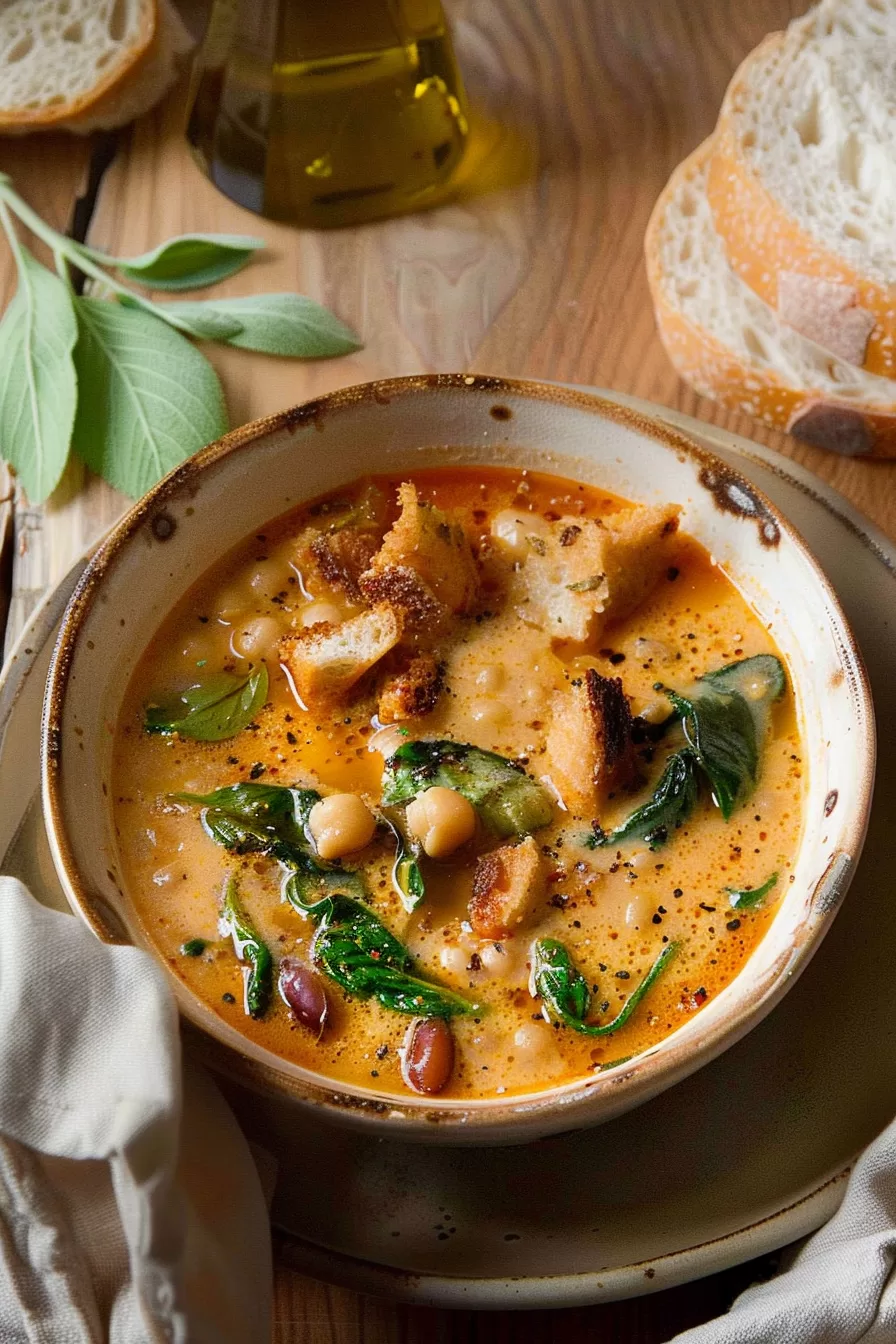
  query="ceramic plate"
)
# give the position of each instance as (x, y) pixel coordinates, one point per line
(743, 1157)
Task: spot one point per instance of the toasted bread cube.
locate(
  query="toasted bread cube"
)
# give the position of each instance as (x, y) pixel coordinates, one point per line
(413, 692)
(589, 744)
(342, 557)
(508, 884)
(561, 586)
(425, 559)
(325, 661)
(590, 571)
(640, 546)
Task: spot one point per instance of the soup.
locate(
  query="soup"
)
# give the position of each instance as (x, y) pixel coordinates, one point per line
(467, 782)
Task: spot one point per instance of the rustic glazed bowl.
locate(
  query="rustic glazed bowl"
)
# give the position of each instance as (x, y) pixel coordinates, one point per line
(235, 486)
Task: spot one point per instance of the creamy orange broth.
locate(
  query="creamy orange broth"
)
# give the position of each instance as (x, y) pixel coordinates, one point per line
(614, 910)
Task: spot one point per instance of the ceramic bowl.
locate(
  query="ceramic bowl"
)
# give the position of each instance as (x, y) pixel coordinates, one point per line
(235, 486)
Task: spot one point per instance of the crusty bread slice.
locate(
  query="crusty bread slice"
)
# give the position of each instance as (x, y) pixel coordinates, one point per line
(802, 181)
(82, 65)
(732, 347)
(142, 86)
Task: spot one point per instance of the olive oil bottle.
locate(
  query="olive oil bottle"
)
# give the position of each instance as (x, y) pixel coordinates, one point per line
(328, 112)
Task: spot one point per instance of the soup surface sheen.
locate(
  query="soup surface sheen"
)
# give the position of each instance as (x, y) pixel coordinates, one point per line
(508, 675)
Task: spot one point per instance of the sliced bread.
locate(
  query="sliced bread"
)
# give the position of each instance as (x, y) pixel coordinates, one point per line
(802, 182)
(732, 347)
(80, 65)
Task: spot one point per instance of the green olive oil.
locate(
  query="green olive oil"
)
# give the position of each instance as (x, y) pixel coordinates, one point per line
(328, 112)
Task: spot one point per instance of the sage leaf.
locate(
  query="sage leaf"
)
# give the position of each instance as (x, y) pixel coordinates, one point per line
(147, 397)
(744, 898)
(564, 992)
(274, 324)
(509, 801)
(355, 949)
(38, 388)
(212, 710)
(204, 324)
(249, 947)
(189, 261)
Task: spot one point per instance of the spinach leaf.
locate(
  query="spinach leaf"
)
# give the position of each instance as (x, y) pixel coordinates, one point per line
(407, 879)
(211, 710)
(725, 720)
(272, 819)
(508, 800)
(746, 897)
(722, 732)
(673, 801)
(761, 680)
(354, 948)
(249, 947)
(564, 991)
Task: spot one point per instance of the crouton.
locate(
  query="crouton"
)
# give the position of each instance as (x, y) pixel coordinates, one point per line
(342, 557)
(640, 546)
(590, 571)
(324, 661)
(589, 743)
(424, 563)
(508, 884)
(412, 692)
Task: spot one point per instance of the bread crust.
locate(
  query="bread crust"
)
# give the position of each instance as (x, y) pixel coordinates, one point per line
(715, 371)
(64, 116)
(763, 239)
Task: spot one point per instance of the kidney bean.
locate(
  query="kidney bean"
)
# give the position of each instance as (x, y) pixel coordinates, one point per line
(428, 1055)
(303, 991)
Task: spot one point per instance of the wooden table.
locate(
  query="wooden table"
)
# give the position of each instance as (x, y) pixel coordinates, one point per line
(582, 108)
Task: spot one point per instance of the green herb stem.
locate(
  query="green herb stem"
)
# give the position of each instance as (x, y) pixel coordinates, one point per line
(565, 995)
(250, 948)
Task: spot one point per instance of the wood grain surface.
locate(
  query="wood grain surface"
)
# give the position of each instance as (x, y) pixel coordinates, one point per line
(581, 108)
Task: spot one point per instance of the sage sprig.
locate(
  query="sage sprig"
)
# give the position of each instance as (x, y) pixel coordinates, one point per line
(115, 379)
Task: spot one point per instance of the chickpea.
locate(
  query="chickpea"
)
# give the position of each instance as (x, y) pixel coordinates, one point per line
(268, 578)
(231, 602)
(317, 612)
(255, 636)
(442, 820)
(341, 824)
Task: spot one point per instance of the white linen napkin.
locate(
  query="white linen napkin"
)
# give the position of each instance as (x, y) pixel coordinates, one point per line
(840, 1286)
(130, 1207)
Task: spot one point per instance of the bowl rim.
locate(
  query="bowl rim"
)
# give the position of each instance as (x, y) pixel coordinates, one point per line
(655, 1069)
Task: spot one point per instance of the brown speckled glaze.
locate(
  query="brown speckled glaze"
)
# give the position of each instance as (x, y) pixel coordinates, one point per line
(741, 522)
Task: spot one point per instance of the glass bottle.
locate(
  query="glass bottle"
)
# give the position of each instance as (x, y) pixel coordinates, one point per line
(328, 112)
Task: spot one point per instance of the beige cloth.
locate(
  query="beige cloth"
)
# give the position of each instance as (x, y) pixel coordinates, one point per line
(130, 1207)
(840, 1288)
